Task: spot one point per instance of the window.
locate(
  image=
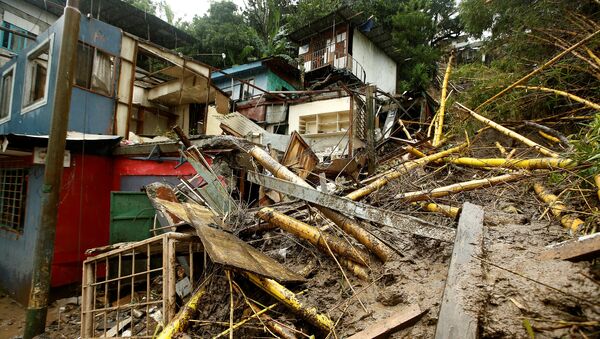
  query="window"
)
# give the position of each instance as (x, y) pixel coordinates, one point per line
(95, 70)
(13, 191)
(37, 77)
(6, 90)
(12, 41)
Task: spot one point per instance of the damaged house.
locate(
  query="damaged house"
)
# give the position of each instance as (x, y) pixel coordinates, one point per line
(124, 86)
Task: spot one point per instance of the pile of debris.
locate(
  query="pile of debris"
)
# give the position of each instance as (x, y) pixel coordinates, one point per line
(405, 248)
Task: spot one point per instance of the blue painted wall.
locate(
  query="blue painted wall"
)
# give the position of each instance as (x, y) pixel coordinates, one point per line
(90, 112)
(16, 251)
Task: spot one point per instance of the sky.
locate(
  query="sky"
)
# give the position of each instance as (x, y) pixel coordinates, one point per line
(186, 9)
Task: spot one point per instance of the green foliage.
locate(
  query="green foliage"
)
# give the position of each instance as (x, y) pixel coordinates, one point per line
(266, 17)
(587, 147)
(223, 30)
(307, 11)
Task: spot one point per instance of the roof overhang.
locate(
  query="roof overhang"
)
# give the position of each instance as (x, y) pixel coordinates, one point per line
(127, 17)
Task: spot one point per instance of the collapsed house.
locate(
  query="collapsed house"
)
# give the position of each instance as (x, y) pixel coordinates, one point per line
(312, 206)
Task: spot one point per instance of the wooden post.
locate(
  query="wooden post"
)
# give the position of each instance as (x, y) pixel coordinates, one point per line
(370, 97)
(454, 320)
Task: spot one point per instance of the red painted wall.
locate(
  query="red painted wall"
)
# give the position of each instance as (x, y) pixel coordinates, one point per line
(125, 167)
(83, 215)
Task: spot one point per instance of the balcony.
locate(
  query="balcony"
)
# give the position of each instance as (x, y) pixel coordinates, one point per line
(335, 58)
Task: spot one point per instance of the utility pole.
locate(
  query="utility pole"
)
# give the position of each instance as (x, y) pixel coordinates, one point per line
(37, 308)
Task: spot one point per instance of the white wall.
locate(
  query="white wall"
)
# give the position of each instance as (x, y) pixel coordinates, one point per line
(315, 107)
(380, 69)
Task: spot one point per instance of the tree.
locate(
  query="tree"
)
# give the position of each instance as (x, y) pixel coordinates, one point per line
(266, 17)
(223, 30)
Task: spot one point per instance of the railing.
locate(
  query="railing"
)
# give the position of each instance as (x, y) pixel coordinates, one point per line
(329, 56)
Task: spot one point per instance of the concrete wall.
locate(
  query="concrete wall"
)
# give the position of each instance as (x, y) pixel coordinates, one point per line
(380, 69)
(90, 112)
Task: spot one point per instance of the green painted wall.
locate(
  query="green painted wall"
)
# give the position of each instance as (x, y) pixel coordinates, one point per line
(275, 83)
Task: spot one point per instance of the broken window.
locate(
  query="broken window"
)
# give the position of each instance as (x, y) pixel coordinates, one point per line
(12, 41)
(13, 190)
(95, 70)
(36, 79)
(6, 90)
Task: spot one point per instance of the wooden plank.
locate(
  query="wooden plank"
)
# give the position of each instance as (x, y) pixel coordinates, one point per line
(583, 248)
(397, 321)
(226, 249)
(299, 157)
(455, 320)
(354, 208)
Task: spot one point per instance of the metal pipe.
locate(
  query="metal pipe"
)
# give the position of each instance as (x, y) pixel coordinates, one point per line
(37, 309)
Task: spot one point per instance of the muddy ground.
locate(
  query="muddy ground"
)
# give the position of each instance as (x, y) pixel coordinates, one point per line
(556, 299)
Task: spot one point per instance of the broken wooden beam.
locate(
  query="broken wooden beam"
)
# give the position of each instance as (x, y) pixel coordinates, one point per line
(354, 208)
(397, 321)
(583, 248)
(457, 318)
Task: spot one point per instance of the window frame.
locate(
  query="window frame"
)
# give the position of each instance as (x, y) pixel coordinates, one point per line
(12, 69)
(94, 49)
(39, 103)
(11, 36)
(23, 201)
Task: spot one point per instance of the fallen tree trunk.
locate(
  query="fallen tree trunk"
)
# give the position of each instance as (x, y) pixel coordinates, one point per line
(407, 166)
(458, 187)
(289, 299)
(312, 235)
(509, 133)
(557, 208)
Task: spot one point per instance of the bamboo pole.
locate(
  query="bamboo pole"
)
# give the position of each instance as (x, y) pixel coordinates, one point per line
(273, 326)
(501, 149)
(557, 208)
(437, 135)
(348, 225)
(289, 299)
(182, 319)
(530, 164)
(537, 70)
(407, 166)
(449, 211)
(312, 235)
(357, 269)
(573, 97)
(415, 152)
(597, 181)
(459, 187)
(549, 137)
(510, 133)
